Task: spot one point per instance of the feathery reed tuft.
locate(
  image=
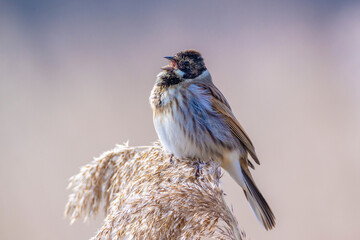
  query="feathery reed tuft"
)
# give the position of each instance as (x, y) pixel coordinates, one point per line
(150, 195)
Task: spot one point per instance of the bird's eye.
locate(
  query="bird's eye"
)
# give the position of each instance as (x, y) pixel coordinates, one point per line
(186, 64)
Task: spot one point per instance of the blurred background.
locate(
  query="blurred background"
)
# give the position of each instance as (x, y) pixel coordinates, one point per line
(75, 78)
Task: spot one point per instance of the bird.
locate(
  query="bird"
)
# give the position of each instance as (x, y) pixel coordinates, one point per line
(193, 119)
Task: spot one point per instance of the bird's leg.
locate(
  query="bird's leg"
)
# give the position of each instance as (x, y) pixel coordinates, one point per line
(171, 158)
(197, 172)
(198, 169)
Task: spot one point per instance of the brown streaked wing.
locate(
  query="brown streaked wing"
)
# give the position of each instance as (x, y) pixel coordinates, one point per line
(222, 107)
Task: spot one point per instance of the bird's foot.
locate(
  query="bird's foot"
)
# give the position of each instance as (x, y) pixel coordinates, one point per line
(197, 171)
(198, 168)
(171, 158)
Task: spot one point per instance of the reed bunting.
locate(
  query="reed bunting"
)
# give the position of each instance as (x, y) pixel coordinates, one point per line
(194, 120)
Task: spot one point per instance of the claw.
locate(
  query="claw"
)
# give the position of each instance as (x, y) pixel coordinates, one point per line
(197, 172)
(171, 158)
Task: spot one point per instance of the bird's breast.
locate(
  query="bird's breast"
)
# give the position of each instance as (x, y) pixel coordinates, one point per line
(187, 125)
(171, 122)
(161, 98)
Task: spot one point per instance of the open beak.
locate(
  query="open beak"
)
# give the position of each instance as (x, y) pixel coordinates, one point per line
(169, 58)
(167, 68)
(172, 65)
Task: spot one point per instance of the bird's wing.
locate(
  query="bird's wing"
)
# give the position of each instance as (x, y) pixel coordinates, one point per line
(221, 106)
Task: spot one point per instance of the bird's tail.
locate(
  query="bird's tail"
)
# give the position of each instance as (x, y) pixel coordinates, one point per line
(257, 202)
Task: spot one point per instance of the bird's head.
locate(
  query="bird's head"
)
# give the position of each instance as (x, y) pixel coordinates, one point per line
(186, 64)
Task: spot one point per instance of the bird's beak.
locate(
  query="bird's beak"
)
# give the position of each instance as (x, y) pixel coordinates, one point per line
(172, 65)
(167, 68)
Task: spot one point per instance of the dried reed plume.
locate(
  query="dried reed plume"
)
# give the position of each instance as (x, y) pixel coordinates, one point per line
(149, 195)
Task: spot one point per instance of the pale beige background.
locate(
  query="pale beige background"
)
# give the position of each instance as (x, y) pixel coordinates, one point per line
(75, 80)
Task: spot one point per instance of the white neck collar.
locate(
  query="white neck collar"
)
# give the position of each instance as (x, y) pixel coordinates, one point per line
(204, 76)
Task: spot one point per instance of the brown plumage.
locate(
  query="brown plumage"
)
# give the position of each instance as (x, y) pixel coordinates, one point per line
(194, 120)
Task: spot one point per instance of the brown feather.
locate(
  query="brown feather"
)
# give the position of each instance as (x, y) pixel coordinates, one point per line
(223, 108)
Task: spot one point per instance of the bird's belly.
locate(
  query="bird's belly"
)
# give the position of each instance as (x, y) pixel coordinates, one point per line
(174, 138)
(183, 140)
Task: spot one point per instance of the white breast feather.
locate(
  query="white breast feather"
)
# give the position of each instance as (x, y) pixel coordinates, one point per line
(172, 137)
